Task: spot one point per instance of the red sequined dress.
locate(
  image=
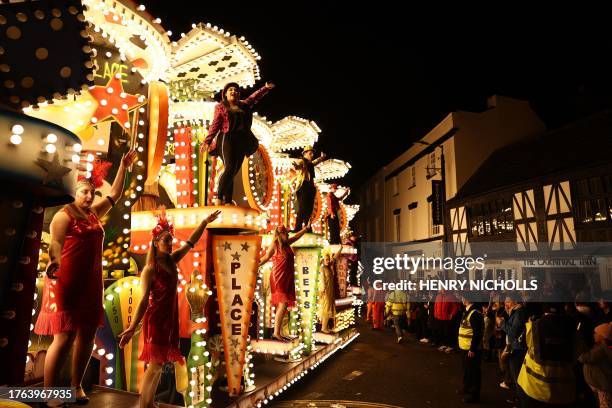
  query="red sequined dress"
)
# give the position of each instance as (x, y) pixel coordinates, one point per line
(74, 299)
(160, 325)
(282, 278)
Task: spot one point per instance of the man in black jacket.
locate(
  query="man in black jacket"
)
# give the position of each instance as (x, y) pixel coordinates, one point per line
(470, 343)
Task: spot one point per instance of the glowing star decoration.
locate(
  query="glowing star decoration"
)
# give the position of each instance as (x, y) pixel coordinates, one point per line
(235, 265)
(113, 102)
(55, 172)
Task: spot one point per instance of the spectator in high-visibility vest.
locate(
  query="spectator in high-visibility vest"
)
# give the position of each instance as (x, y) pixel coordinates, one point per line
(470, 342)
(514, 327)
(547, 374)
(597, 365)
(398, 308)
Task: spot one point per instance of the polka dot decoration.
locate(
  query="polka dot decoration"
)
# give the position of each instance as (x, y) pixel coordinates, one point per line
(53, 32)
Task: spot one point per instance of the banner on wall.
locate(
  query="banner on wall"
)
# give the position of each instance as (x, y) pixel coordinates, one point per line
(307, 273)
(235, 262)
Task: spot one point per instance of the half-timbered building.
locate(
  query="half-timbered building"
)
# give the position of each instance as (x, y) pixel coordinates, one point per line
(546, 194)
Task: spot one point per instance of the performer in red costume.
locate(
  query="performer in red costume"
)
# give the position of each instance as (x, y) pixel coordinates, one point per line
(72, 296)
(158, 307)
(282, 279)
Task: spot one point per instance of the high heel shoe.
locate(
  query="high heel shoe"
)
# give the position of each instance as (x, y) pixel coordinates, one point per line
(81, 400)
(59, 404)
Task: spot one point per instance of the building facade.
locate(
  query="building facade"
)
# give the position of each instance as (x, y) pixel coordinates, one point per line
(542, 198)
(396, 203)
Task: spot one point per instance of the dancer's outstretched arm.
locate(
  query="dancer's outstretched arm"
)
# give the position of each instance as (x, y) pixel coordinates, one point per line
(145, 283)
(194, 238)
(101, 207)
(299, 234)
(267, 256)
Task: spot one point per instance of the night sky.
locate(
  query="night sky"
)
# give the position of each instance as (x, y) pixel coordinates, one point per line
(375, 76)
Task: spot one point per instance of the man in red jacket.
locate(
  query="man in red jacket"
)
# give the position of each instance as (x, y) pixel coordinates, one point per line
(445, 309)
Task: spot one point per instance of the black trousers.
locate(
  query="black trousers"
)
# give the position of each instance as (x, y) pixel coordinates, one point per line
(333, 226)
(515, 362)
(472, 374)
(443, 333)
(305, 196)
(420, 329)
(352, 275)
(232, 154)
(400, 324)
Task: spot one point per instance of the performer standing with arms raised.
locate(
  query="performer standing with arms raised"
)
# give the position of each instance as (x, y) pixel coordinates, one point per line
(333, 221)
(158, 307)
(72, 294)
(306, 190)
(282, 279)
(230, 137)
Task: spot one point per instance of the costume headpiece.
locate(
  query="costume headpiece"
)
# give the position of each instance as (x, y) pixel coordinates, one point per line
(307, 149)
(163, 224)
(94, 176)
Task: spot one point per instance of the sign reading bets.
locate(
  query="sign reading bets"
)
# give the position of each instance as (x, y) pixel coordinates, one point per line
(307, 271)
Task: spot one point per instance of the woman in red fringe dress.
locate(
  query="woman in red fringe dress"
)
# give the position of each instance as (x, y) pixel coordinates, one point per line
(158, 307)
(71, 308)
(282, 279)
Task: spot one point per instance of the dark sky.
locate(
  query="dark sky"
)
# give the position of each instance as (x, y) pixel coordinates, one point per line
(375, 76)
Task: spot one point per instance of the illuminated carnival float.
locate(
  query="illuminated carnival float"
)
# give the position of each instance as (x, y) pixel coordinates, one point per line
(124, 84)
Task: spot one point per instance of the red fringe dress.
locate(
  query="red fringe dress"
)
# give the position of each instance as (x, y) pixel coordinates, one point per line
(282, 278)
(74, 299)
(160, 325)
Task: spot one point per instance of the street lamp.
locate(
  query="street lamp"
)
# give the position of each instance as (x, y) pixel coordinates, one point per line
(442, 166)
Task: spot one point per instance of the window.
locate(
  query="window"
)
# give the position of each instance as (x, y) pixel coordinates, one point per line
(505, 274)
(431, 166)
(397, 229)
(412, 176)
(594, 200)
(491, 218)
(395, 182)
(434, 230)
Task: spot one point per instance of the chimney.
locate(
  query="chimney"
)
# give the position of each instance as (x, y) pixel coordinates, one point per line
(492, 102)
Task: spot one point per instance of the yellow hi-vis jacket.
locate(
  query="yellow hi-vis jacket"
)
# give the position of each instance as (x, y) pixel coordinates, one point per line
(466, 332)
(397, 303)
(551, 382)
